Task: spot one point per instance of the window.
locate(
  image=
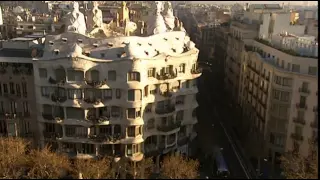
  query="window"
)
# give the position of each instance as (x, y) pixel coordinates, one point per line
(45, 91)
(1, 107)
(271, 138)
(131, 95)
(24, 89)
(295, 68)
(298, 130)
(107, 93)
(300, 115)
(13, 107)
(26, 110)
(152, 72)
(313, 70)
(118, 93)
(303, 100)
(289, 66)
(133, 149)
(134, 76)
(75, 113)
(5, 89)
(75, 93)
(179, 116)
(276, 94)
(282, 64)
(284, 96)
(287, 82)
(182, 68)
(277, 80)
(305, 85)
(75, 75)
(131, 131)
(18, 90)
(133, 113)
(187, 83)
(134, 95)
(43, 73)
(112, 75)
(11, 86)
(283, 110)
(151, 124)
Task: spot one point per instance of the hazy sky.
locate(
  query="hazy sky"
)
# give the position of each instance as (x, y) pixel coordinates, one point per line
(259, 2)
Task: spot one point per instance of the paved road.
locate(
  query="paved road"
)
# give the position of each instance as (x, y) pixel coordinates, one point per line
(209, 135)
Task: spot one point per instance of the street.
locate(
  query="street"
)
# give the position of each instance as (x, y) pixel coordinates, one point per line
(209, 135)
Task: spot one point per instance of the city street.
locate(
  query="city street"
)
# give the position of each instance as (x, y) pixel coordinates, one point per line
(211, 133)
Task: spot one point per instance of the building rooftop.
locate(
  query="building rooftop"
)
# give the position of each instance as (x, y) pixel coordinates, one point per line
(25, 53)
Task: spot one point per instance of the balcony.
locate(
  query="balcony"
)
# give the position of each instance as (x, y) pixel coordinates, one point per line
(196, 71)
(304, 90)
(313, 140)
(96, 84)
(315, 109)
(166, 110)
(297, 137)
(53, 81)
(166, 76)
(3, 70)
(299, 121)
(9, 116)
(314, 124)
(51, 135)
(94, 101)
(56, 98)
(182, 140)
(168, 128)
(166, 94)
(152, 150)
(47, 116)
(301, 106)
(179, 102)
(105, 138)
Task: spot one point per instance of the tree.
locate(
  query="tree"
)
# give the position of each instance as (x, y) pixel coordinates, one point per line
(142, 169)
(12, 158)
(46, 164)
(93, 169)
(179, 167)
(296, 166)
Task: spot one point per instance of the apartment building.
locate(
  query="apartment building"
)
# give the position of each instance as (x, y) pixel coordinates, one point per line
(17, 99)
(272, 76)
(127, 97)
(279, 93)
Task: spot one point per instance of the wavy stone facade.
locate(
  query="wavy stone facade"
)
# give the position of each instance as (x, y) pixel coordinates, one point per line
(124, 96)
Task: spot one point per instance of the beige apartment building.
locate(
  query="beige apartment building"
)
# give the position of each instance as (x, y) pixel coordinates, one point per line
(274, 87)
(17, 99)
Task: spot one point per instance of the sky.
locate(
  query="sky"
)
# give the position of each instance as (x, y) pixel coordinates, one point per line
(259, 2)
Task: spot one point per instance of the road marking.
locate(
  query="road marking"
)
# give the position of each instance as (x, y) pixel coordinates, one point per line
(234, 150)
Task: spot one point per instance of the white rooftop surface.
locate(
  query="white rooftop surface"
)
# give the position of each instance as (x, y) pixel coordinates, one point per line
(70, 44)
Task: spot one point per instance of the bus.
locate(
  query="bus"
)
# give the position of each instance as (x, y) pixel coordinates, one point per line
(222, 169)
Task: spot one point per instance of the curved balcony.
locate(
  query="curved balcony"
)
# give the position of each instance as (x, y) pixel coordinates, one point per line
(94, 101)
(166, 110)
(53, 81)
(96, 84)
(52, 135)
(166, 76)
(168, 128)
(47, 116)
(196, 71)
(166, 94)
(56, 98)
(106, 138)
